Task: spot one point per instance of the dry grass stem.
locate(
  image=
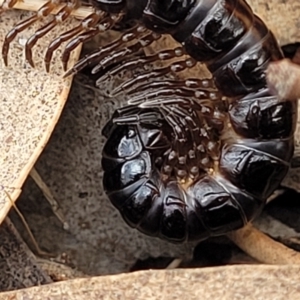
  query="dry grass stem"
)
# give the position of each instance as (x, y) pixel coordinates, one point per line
(48, 195)
(35, 244)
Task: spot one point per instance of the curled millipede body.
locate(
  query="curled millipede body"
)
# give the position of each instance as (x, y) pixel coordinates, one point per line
(178, 173)
(170, 176)
(180, 162)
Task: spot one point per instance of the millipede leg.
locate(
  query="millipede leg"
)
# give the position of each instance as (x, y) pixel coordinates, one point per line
(202, 88)
(130, 119)
(183, 114)
(175, 67)
(164, 92)
(103, 26)
(180, 113)
(43, 11)
(100, 53)
(129, 65)
(192, 158)
(127, 52)
(8, 4)
(178, 155)
(176, 90)
(135, 62)
(60, 17)
(88, 22)
(206, 85)
(86, 36)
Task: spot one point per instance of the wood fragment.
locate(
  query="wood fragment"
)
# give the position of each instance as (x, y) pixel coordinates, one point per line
(219, 283)
(58, 271)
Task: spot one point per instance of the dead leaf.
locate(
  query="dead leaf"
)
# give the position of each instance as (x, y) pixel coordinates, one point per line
(231, 282)
(31, 103)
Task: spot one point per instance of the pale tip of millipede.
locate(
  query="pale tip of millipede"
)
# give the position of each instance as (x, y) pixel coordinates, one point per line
(283, 79)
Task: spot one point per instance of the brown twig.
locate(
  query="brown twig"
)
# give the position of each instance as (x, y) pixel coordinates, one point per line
(263, 248)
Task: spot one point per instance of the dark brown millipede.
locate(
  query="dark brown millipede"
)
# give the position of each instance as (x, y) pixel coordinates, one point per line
(180, 162)
(185, 168)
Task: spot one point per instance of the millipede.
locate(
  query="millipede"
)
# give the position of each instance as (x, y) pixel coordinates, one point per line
(185, 159)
